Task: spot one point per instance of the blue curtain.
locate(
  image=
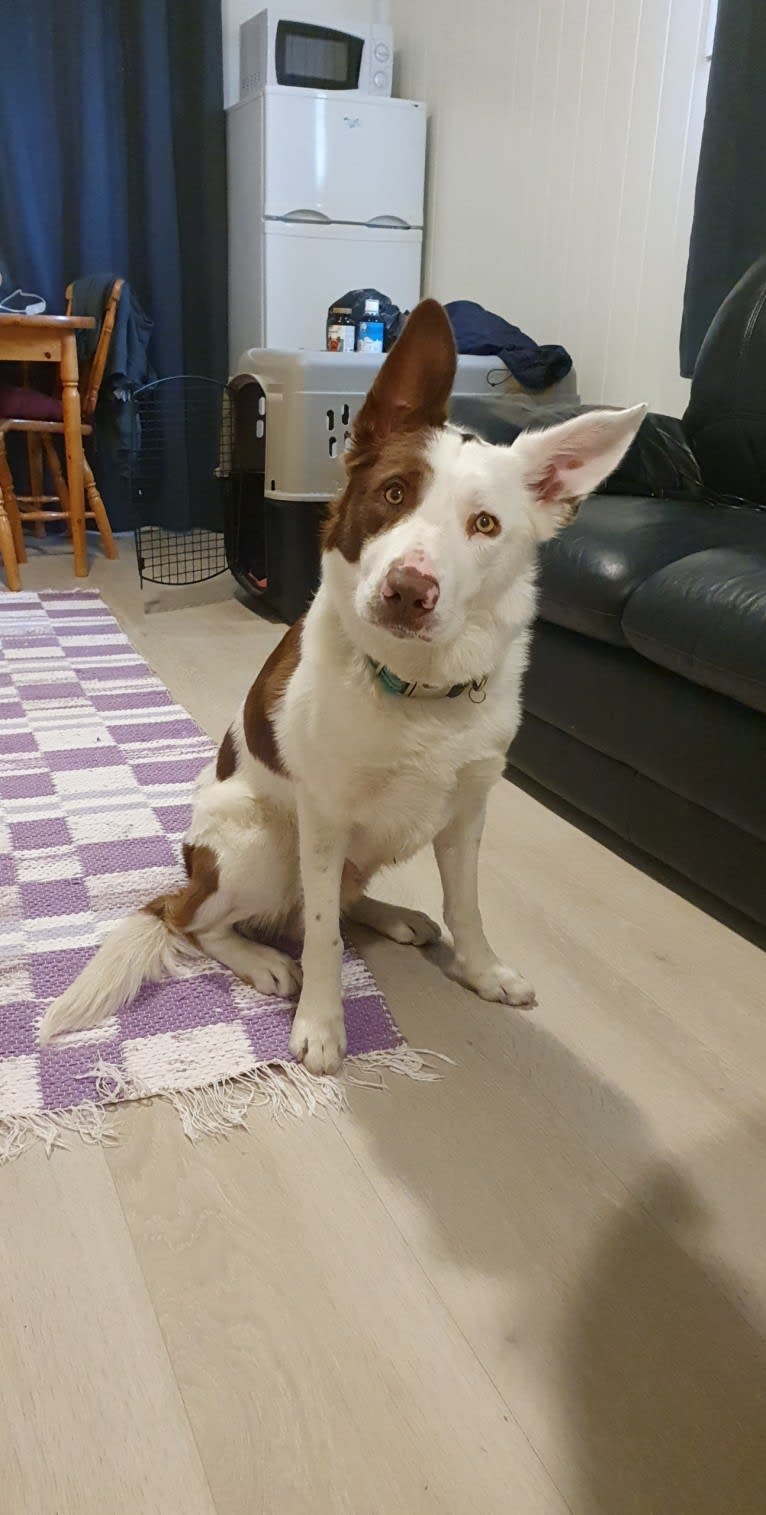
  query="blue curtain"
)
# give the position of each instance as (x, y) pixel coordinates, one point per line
(729, 226)
(112, 159)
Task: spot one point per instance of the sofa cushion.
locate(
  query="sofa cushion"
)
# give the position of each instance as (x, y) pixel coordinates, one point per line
(703, 746)
(591, 570)
(712, 852)
(705, 618)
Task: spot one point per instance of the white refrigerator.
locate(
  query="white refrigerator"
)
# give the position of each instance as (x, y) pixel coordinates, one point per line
(325, 195)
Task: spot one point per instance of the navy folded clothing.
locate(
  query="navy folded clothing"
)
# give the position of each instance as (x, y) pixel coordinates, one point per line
(484, 334)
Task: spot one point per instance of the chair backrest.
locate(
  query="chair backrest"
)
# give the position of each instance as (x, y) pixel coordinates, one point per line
(92, 373)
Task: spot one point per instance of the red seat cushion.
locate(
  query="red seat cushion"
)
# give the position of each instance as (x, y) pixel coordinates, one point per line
(28, 405)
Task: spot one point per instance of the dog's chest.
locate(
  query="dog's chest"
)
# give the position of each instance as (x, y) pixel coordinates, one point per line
(386, 766)
(392, 808)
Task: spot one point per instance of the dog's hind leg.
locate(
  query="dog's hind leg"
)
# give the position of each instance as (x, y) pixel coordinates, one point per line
(257, 887)
(269, 971)
(410, 927)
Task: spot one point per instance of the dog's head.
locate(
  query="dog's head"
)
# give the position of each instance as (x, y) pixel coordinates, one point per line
(429, 551)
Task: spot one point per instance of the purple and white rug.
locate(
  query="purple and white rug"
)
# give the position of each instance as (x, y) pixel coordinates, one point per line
(97, 767)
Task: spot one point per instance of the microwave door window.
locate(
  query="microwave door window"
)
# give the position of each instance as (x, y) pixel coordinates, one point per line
(315, 57)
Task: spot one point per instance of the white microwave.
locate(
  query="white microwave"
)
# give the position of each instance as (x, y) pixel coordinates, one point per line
(278, 47)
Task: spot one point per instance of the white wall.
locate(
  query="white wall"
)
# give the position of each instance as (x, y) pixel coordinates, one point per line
(563, 155)
(232, 13)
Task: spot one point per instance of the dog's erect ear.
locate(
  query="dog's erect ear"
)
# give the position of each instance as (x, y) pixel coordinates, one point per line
(565, 463)
(414, 385)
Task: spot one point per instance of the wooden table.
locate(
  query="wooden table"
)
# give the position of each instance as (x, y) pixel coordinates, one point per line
(53, 339)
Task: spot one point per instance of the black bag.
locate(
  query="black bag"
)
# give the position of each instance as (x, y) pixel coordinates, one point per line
(392, 317)
(658, 463)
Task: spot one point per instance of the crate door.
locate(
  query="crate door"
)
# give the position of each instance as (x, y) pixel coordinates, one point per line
(180, 478)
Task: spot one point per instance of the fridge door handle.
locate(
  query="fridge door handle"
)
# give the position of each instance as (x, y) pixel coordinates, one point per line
(314, 217)
(390, 221)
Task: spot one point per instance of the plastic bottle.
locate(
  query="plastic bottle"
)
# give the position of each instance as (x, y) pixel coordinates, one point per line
(370, 332)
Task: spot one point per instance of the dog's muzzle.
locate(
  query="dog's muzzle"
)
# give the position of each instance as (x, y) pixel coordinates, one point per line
(407, 600)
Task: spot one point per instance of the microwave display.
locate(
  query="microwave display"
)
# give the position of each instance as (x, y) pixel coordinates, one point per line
(315, 57)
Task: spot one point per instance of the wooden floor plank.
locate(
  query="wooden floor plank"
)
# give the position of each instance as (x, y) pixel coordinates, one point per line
(91, 1419)
(319, 1367)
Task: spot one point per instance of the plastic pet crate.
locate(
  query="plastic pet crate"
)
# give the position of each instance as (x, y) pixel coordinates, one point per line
(292, 414)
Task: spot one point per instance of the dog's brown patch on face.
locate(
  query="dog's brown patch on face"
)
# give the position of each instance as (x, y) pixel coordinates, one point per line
(363, 510)
(226, 761)
(408, 401)
(178, 909)
(269, 686)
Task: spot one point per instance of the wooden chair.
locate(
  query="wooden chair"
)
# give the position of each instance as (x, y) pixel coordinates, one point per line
(9, 544)
(41, 449)
(8, 541)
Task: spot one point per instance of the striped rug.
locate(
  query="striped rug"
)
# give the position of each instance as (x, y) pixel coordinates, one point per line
(97, 766)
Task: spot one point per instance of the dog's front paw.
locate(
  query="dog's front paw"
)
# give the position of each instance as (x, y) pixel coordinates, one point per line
(500, 984)
(318, 1041)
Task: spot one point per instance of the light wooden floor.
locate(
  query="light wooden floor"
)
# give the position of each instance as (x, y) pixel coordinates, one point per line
(537, 1286)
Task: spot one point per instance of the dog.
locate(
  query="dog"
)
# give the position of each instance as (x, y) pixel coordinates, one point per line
(383, 718)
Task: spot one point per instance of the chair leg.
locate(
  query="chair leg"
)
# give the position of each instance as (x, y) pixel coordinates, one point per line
(56, 472)
(8, 551)
(98, 508)
(10, 505)
(36, 476)
(57, 475)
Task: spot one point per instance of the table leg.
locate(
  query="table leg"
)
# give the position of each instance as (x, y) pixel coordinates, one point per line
(70, 404)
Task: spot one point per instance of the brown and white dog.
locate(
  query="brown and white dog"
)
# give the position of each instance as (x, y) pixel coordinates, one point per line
(382, 719)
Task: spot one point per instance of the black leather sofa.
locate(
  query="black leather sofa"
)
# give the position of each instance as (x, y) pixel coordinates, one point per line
(646, 695)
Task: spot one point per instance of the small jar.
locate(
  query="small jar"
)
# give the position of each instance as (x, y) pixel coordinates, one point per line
(341, 332)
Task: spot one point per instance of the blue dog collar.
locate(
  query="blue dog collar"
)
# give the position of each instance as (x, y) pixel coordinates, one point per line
(476, 688)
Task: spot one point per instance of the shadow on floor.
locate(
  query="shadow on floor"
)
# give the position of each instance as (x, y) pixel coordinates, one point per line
(604, 1290)
(666, 1374)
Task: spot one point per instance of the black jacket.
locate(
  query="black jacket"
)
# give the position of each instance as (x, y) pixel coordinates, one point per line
(127, 365)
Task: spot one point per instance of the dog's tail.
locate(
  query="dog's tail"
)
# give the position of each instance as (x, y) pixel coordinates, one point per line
(141, 949)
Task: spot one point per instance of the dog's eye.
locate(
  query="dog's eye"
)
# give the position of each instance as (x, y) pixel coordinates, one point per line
(485, 524)
(394, 492)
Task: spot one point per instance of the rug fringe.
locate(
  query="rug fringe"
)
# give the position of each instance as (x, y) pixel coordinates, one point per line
(215, 1109)
(50, 1129)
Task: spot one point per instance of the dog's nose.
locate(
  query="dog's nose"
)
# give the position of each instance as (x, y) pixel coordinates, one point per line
(407, 595)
